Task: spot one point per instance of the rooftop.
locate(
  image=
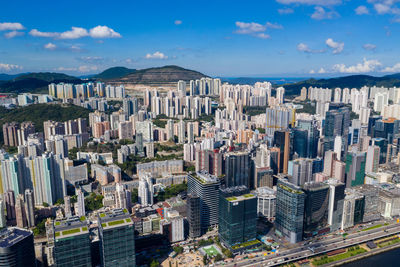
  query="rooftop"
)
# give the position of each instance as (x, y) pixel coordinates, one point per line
(115, 218)
(71, 226)
(12, 235)
(205, 178)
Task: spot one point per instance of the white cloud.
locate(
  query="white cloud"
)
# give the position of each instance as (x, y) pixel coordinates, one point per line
(104, 32)
(11, 26)
(302, 47)
(336, 47)
(382, 9)
(78, 32)
(74, 33)
(361, 10)
(275, 26)
(249, 27)
(156, 55)
(364, 67)
(178, 22)
(263, 35)
(50, 46)
(9, 67)
(13, 34)
(320, 13)
(256, 29)
(311, 2)
(385, 6)
(394, 68)
(82, 69)
(369, 47)
(87, 68)
(37, 33)
(285, 10)
(320, 71)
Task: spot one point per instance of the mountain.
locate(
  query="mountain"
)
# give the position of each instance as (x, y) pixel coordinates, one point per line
(46, 76)
(113, 73)
(160, 75)
(35, 82)
(352, 81)
(7, 77)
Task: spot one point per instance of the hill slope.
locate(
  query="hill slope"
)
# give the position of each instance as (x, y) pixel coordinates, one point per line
(35, 82)
(160, 75)
(113, 73)
(353, 81)
(40, 113)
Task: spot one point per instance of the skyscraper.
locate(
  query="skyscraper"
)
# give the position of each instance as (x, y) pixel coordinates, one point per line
(71, 241)
(67, 206)
(3, 220)
(283, 139)
(9, 198)
(145, 190)
(16, 247)
(206, 187)
(289, 211)
(117, 238)
(336, 201)
(193, 215)
(20, 213)
(316, 207)
(337, 123)
(80, 204)
(237, 216)
(237, 166)
(355, 168)
(29, 208)
(372, 161)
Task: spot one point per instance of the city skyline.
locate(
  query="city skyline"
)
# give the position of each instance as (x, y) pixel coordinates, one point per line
(281, 38)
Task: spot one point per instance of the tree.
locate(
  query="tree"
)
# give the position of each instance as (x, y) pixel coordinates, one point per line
(134, 195)
(45, 204)
(178, 249)
(218, 258)
(154, 263)
(205, 259)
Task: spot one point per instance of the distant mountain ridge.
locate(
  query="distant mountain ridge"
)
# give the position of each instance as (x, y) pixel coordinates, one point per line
(159, 75)
(38, 82)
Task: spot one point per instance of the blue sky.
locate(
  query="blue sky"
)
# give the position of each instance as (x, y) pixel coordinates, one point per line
(292, 38)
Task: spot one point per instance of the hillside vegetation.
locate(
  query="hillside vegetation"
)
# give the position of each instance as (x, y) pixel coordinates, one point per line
(40, 113)
(35, 82)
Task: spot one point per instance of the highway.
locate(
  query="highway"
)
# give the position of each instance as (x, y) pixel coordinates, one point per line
(319, 247)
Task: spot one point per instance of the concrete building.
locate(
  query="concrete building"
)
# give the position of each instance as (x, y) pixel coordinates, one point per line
(206, 187)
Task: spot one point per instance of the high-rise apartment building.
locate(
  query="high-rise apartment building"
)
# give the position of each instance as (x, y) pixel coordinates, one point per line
(145, 190)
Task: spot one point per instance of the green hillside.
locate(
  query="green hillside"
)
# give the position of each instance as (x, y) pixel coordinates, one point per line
(40, 113)
(113, 73)
(35, 82)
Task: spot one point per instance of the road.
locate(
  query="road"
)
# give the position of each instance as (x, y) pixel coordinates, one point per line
(320, 247)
